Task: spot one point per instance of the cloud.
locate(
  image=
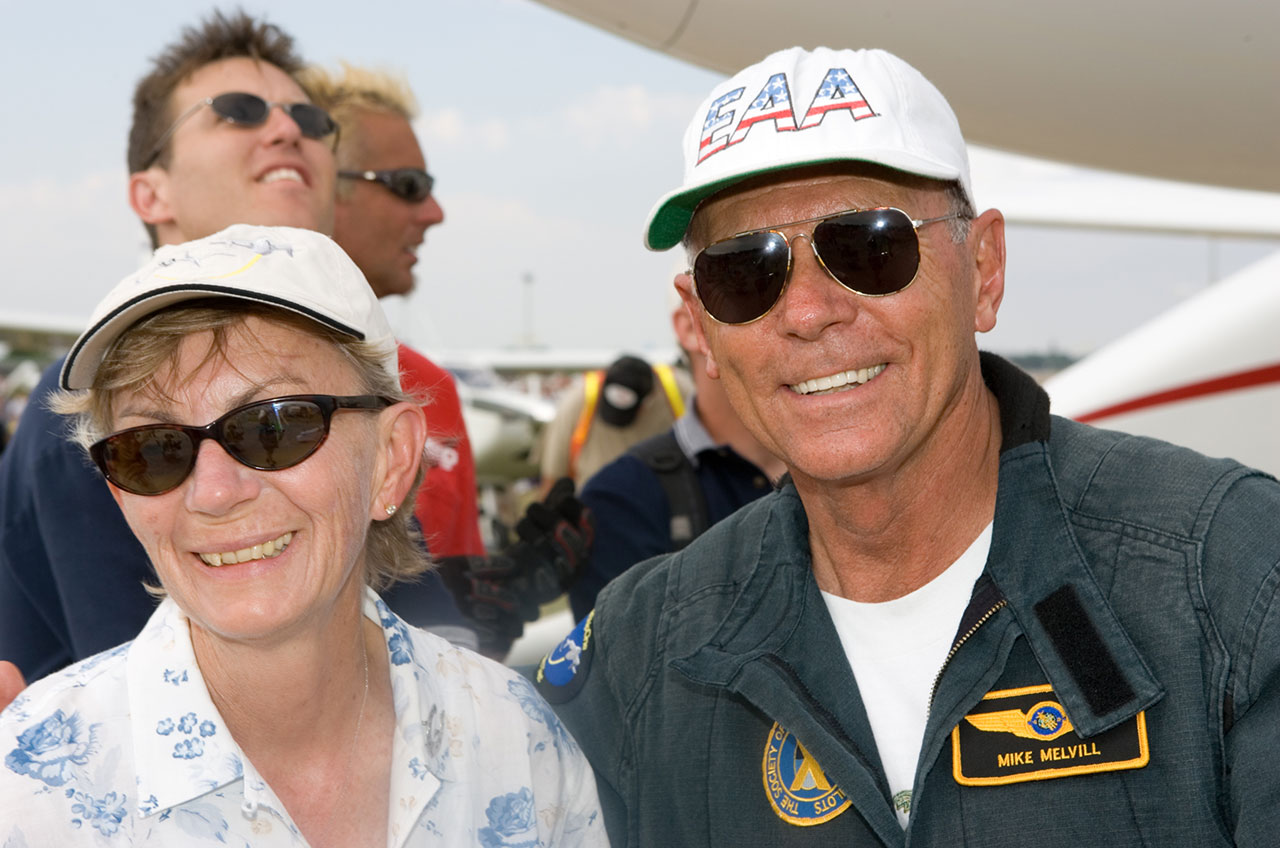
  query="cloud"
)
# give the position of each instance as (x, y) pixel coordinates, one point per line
(66, 241)
(614, 115)
(586, 272)
(449, 127)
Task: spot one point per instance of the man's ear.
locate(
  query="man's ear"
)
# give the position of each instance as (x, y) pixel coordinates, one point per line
(683, 325)
(697, 318)
(149, 196)
(402, 437)
(987, 234)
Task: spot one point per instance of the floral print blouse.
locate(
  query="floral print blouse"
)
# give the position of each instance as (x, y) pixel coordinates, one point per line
(127, 748)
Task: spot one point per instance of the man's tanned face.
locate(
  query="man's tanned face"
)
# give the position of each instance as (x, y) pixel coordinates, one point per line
(897, 366)
(380, 231)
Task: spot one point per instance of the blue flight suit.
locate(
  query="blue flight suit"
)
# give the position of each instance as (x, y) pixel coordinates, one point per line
(1115, 679)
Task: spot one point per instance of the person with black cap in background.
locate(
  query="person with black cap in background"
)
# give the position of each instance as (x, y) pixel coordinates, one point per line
(606, 412)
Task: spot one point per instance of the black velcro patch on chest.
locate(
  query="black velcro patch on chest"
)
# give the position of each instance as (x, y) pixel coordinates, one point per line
(1082, 651)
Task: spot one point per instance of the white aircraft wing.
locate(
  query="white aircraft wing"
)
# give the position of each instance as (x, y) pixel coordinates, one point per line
(1174, 89)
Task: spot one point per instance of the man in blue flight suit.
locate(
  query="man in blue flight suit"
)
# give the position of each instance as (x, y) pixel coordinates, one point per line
(962, 621)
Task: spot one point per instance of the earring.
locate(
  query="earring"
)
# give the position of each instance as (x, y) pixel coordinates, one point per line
(391, 510)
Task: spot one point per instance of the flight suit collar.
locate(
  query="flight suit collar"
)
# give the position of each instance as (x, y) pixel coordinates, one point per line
(1037, 566)
(764, 650)
(769, 643)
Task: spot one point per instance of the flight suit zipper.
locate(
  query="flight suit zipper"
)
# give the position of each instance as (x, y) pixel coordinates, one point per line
(964, 637)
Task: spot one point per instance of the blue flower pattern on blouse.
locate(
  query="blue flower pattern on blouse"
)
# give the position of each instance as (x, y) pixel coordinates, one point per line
(510, 822)
(103, 814)
(186, 749)
(399, 643)
(96, 756)
(540, 711)
(50, 750)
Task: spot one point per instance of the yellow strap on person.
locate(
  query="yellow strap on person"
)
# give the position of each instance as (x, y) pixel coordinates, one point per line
(591, 382)
(668, 379)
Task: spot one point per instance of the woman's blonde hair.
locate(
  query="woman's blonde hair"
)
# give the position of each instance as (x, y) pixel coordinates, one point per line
(393, 548)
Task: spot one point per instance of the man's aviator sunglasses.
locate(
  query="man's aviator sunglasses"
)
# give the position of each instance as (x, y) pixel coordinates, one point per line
(411, 184)
(250, 110)
(266, 435)
(871, 252)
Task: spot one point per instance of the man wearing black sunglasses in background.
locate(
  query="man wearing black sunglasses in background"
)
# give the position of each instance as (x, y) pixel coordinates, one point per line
(223, 132)
(383, 210)
(384, 207)
(961, 621)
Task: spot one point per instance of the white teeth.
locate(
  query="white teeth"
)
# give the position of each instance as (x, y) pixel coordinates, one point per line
(266, 550)
(281, 174)
(835, 382)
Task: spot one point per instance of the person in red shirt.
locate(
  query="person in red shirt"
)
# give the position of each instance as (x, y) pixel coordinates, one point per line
(447, 509)
(383, 209)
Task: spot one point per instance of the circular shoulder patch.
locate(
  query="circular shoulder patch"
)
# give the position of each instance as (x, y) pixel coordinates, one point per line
(797, 787)
(563, 671)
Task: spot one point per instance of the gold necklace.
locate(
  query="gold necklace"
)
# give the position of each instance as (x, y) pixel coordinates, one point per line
(355, 739)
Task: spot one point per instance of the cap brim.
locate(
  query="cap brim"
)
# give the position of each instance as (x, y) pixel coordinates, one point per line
(670, 217)
(86, 355)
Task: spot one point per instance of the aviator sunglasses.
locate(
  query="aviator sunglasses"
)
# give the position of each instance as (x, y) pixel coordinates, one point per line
(411, 184)
(266, 435)
(871, 252)
(250, 110)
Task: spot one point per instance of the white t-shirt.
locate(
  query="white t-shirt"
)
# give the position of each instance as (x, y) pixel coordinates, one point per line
(896, 649)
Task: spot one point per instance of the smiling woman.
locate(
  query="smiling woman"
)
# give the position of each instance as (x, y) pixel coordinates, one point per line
(241, 396)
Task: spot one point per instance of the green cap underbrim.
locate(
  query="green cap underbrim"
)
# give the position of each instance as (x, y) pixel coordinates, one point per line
(670, 219)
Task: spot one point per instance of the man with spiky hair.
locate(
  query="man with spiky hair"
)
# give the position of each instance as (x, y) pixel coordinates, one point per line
(385, 204)
(383, 209)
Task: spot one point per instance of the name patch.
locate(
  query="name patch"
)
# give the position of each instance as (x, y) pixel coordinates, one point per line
(1016, 735)
(797, 787)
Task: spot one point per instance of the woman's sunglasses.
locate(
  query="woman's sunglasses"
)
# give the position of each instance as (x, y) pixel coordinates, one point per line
(411, 184)
(250, 110)
(871, 252)
(267, 435)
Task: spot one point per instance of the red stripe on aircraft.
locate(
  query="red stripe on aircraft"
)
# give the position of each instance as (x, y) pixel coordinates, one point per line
(1203, 388)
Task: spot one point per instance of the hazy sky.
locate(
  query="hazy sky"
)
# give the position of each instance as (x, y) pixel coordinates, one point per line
(549, 140)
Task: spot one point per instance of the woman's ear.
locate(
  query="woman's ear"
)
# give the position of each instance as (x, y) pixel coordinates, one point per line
(402, 437)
